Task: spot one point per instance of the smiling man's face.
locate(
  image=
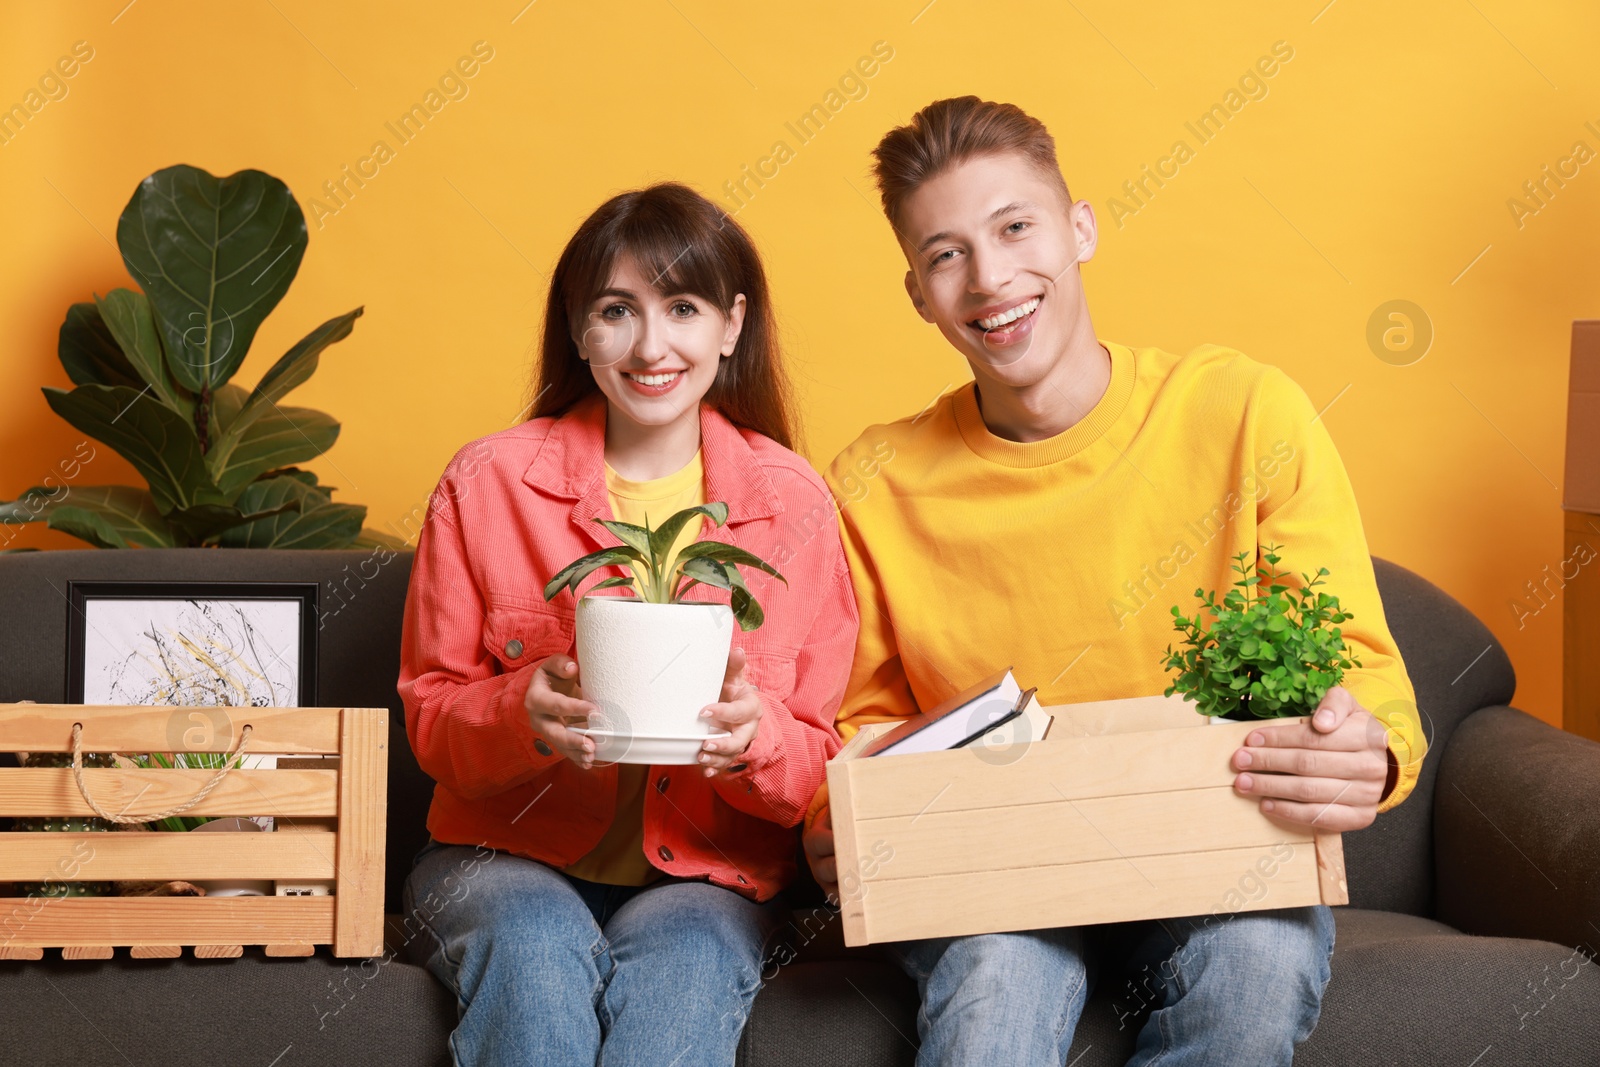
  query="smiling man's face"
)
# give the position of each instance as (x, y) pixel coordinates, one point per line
(994, 249)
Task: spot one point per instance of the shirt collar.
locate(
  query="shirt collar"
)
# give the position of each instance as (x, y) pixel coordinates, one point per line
(570, 464)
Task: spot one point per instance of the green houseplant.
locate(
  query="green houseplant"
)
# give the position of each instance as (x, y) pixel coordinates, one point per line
(651, 660)
(1270, 654)
(713, 563)
(152, 368)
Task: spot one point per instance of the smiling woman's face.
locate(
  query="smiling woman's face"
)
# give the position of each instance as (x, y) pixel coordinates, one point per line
(653, 354)
(992, 245)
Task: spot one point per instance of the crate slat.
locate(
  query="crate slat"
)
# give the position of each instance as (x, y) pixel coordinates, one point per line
(1069, 831)
(162, 856)
(1069, 768)
(33, 791)
(88, 952)
(1330, 869)
(363, 813)
(155, 952)
(1081, 893)
(1097, 718)
(29, 924)
(215, 952)
(132, 728)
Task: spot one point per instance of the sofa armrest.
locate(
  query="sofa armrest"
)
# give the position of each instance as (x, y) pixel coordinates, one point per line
(1517, 830)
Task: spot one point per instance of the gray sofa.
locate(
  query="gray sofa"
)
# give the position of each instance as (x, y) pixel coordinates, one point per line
(1468, 902)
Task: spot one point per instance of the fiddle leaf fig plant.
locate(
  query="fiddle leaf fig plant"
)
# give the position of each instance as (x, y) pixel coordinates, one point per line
(663, 580)
(1271, 654)
(152, 372)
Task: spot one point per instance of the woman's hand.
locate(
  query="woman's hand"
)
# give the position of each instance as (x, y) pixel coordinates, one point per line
(738, 712)
(817, 838)
(555, 704)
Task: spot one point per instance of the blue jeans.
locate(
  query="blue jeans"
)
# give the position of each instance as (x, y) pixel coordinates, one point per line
(1227, 989)
(549, 969)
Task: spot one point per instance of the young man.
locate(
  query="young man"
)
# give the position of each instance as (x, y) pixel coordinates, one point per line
(1048, 515)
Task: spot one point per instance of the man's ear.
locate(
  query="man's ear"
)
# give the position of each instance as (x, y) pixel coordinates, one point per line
(730, 335)
(1085, 230)
(914, 291)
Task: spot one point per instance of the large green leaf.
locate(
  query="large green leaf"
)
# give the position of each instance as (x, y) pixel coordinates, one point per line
(106, 516)
(275, 439)
(726, 553)
(127, 315)
(122, 516)
(214, 255)
(226, 403)
(296, 365)
(89, 353)
(579, 569)
(666, 535)
(726, 576)
(305, 517)
(154, 438)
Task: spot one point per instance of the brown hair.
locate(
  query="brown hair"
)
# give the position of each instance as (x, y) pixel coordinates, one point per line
(952, 131)
(688, 245)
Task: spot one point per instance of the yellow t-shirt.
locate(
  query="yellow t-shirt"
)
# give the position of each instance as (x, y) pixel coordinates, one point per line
(619, 857)
(1062, 558)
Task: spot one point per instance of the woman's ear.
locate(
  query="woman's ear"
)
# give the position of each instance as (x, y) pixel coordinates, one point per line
(730, 335)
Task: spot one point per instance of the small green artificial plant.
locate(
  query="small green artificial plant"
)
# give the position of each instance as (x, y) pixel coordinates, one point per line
(665, 580)
(1268, 655)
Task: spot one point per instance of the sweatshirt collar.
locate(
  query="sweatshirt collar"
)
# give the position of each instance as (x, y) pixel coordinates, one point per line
(570, 464)
(1064, 445)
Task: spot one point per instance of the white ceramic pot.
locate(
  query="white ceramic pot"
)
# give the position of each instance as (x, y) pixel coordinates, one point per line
(650, 668)
(241, 887)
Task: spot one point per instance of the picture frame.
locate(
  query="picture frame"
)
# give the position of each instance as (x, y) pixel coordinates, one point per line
(192, 643)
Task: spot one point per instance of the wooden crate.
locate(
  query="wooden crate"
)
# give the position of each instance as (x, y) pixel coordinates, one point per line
(329, 825)
(1126, 811)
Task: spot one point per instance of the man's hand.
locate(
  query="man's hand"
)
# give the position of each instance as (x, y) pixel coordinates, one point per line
(555, 703)
(818, 838)
(1326, 775)
(738, 711)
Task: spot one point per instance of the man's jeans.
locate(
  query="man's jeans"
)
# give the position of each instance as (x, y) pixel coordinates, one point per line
(549, 969)
(1227, 990)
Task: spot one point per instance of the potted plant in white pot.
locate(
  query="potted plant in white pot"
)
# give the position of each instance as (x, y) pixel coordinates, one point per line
(649, 659)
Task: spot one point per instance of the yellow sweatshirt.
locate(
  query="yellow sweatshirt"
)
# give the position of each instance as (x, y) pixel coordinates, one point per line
(1063, 558)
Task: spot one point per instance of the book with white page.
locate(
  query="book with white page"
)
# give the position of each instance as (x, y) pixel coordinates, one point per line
(958, 721)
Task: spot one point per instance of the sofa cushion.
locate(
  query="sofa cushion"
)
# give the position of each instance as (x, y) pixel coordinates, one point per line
(195, 1013)
(1403, 990)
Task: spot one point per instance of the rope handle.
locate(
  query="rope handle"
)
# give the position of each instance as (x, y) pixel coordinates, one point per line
(77, 774)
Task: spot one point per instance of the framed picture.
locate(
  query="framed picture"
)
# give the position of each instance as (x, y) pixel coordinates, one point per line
(192, 644)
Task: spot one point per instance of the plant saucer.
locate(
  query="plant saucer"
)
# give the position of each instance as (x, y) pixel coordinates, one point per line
(612, 746)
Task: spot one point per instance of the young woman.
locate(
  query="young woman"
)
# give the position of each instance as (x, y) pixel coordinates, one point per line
(585, 912)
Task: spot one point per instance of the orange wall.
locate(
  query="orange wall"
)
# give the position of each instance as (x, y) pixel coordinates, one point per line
(1377, 166)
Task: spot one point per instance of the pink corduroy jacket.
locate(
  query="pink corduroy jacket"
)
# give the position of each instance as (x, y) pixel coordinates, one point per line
(512, 509)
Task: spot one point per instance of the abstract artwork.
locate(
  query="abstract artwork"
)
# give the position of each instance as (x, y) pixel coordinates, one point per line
(192, 644)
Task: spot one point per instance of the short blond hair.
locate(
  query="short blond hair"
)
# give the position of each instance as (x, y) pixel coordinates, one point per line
(952, 131)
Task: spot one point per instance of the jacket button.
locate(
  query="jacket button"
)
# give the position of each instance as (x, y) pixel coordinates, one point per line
(665, 853)
(540, 747)
(661, 784)
(513, 648)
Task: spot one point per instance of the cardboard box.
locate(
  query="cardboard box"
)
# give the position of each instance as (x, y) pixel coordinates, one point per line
(1126, 811)
(1577, 582)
